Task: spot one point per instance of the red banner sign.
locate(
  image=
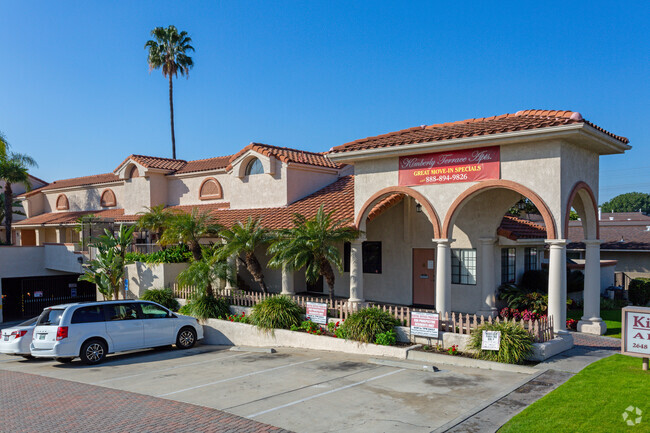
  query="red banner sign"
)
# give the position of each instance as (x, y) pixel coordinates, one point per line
(448, 167)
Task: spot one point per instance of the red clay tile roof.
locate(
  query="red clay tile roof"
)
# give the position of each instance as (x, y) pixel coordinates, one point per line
(287, 155)
(517, 228)
(76, 181)
(205, 164)
(155, 162)
(58, 218)
(384, 205)
(522, 120)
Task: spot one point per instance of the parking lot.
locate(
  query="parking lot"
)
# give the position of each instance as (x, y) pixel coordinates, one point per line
(299, 390)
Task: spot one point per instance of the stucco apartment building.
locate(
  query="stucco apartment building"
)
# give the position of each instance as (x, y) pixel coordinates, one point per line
(430, 202)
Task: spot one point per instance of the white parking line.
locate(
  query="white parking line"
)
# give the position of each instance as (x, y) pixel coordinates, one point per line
(167, 369)
(323, 393)
(238, 377)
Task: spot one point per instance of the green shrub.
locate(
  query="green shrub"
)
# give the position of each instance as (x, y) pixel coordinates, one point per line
(639, 291)
(207, 307)
(185, 310)
(366, 324)
(520, 299)
(164, 297)
(276, 312)
(612, 304)
(173, 254)
(516, 343)
(386, 338)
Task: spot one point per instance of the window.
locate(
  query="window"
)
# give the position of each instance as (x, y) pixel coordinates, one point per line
(463, 266)
(133, 172)
(62, 202)
(530, 263)
(108, 198)
(210, 189)
(508, 256)
(151, 311)
(371, 254)
(50, 317)
(254, 167)
(121, 312)
(91, 314)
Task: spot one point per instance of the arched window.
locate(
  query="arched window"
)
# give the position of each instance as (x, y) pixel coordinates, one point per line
(254, 167)
(210, 189)
(133, 172)
(108, 198)
(62, 202)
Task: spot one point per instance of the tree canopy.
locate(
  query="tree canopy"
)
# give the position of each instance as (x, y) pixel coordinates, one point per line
(628, 202)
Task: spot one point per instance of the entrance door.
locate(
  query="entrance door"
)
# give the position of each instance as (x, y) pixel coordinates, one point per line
(423, 276)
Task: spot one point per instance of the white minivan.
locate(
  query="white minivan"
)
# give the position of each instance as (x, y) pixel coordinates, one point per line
(91, 330)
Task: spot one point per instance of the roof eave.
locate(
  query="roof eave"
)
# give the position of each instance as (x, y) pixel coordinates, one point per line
(568, 132)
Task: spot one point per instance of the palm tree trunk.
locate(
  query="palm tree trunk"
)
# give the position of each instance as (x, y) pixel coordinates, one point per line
(9, 199)
(171, 114)
(209, 291)
(328, 273)
(196, 251)
(253, 266)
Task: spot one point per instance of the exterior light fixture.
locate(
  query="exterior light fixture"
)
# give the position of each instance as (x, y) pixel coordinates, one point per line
(418, 208)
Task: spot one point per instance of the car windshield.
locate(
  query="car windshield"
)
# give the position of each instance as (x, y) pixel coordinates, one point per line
(50, 317)
(29, 322)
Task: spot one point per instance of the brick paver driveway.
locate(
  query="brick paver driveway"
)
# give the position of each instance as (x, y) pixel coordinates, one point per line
(32, 403)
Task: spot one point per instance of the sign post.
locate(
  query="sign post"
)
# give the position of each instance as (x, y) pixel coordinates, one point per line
(635, 339)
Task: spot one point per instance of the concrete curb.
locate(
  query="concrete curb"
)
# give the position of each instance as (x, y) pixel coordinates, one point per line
(404, 364)
(252, 349)
(459, 361)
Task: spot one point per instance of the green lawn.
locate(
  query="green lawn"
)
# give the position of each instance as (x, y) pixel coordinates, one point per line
(611, 317)
(592, 401)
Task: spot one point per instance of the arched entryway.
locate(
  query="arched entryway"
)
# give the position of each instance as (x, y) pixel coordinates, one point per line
(400, 223)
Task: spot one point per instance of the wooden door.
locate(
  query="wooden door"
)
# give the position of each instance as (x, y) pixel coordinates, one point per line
(424, 281)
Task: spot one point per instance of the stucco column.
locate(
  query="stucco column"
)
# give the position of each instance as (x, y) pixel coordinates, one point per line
(232, 265)
(488, 284)
(40, 236)
(557, 284)
(287, 281)
(591, 322)
(443, 276)
(60, 235)
(356, 270)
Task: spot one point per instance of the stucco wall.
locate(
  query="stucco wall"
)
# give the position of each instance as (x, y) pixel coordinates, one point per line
(82, 199)
(304, 180)
(185, 190)
(137, 195)
(16, 262)
(578, 164)
(144, 276)
(259, 190)
(628, 261)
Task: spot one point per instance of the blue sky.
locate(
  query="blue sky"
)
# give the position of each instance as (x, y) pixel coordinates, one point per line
(76, 94)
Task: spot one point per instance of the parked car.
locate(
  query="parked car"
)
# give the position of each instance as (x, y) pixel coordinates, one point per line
(16, 340)
(91, 330)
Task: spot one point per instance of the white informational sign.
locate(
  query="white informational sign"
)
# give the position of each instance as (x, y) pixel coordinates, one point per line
(424, 324)
(38, 294)
(491, 340)
(317, 312)
(636, 332)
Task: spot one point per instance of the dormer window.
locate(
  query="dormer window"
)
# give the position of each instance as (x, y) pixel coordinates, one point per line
(133, 172)
(254, 167)
(108, 198)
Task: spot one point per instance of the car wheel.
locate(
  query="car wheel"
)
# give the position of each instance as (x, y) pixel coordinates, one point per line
(186, 338)
(27, 356)
(64, 360)
(93, 352)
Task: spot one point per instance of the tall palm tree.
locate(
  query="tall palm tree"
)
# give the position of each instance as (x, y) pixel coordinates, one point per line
(313, 244)
(157, 219)
(169, 52)
(16, 205)
(189, 229)
(13, 169)
(244, 239)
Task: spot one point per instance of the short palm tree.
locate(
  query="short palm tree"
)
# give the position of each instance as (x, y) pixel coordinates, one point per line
(169, 51)
(16, 205)
(13, 169)
(203, 273)
(243, 239)
(313, 244)
(189, 229)
(156, 220)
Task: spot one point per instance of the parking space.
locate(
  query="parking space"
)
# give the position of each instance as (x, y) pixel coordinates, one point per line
(294, 389)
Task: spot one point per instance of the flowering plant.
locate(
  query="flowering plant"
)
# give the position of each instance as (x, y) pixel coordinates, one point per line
(241, 318)
(572, 324)
(336, 330)
(453, 350)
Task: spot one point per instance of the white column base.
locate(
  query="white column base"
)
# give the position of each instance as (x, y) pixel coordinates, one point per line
(493, 312)
(596, 327)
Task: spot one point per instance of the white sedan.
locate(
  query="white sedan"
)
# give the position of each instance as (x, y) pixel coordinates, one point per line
(16, 340)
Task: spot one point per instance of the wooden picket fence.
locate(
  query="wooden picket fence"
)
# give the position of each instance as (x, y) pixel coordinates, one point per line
(458, 323)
